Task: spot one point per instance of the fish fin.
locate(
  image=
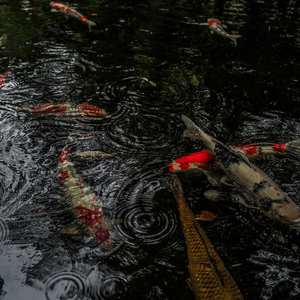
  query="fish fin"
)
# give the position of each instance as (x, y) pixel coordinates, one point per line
(189, 282)
(73, 229)
(212, 32)
(3, 39)
(91, 23)
(225, 26)
(233, 38)
(244, 202)
(213, 179)
(54, 10)
(225, 180)
(94, 154)
(212, 195)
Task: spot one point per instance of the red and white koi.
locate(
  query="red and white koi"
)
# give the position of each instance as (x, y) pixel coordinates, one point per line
(65, 109)
(216, 26)
(70, 12)
(203, 159)
(87, 207)
(251, 181)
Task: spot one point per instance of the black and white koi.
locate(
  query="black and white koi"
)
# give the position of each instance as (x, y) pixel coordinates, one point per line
(216, 26)
(70, 12)
(249, 179)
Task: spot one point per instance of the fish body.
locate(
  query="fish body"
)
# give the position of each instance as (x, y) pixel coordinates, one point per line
(86, 206)
(202, 160)
(65, 109)
(209, 277)
(216, 26)
(253, 182)
(70, 12)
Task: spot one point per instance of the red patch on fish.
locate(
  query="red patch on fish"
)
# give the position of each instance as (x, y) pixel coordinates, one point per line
(249, 149)
(278, 148)
(90, 110)
(84, 19)
(64, 175)
(50, 109)
(64, 156)
(92, 218)
(214, 21)
(202, 157)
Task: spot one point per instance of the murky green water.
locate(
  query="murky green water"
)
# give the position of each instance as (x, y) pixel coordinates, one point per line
(146, 63)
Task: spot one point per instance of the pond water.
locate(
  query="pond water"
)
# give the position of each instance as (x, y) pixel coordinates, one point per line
(146, 63)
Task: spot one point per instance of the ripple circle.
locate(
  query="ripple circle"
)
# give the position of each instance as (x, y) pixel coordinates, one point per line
(145, 223)
(113, 288)
(65, 286)
(4, 231)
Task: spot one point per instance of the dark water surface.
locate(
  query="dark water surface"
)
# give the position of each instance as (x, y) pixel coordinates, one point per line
(249, 93)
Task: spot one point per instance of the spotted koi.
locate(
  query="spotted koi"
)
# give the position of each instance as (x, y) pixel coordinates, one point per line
(69, 11)
(86, 205)
(65, 109)
(248, 178)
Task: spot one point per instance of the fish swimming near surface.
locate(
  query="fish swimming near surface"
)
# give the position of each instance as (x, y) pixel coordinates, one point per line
(86, 205)
(202, 160)
(252, 182)
(65, 109)
(216, 26)
(70, 12)
(209, 277)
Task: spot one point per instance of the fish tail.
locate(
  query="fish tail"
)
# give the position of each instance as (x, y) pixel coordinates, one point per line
(233, 37)
(191, 130)
(91, 23)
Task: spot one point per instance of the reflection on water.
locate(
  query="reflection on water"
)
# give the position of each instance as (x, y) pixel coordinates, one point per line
(145, 64)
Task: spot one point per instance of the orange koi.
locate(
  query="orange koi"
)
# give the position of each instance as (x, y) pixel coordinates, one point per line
(64, 109)
(209, 277)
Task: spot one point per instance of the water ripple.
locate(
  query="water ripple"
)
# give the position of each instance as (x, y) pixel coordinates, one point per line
(114, 287)
(145, 223)
(66, 286)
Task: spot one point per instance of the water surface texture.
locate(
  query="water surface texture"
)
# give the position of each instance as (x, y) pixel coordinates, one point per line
(145, 63)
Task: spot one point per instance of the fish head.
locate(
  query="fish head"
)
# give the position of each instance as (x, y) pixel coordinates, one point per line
(286, 212)
(214, 21)
(56, 5)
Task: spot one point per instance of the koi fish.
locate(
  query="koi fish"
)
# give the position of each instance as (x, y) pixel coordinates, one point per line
(217, 27)
(69, 11)
(257, 186)
(209, 277)
(87, 207)
(202, 159)
(65, 109)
